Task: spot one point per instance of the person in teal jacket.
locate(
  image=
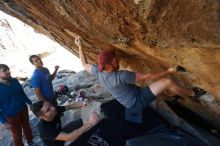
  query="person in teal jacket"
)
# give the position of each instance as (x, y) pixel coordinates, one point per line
(13, 108)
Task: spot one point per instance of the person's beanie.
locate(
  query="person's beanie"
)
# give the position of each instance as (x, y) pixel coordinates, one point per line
(105, 57)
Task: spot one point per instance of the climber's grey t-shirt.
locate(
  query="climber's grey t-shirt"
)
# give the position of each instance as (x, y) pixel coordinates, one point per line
(119, 83)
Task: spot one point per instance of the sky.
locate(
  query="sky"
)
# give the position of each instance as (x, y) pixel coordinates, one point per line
(21, 41)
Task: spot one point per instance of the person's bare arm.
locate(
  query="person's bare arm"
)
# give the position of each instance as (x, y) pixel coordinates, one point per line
(72, 136)
(75, 106)
(82, 56)
(55, 72)
(39, 95)
(152, 76)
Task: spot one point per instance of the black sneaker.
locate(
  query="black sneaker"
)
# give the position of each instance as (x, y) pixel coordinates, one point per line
(198, 92)
(180, 69)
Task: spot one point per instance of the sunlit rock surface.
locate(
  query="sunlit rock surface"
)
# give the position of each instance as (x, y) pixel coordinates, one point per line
(148, 35)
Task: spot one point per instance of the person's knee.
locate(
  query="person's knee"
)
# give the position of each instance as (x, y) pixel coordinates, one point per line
(167, 81)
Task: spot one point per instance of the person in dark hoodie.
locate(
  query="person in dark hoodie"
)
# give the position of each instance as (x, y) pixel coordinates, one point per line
(94, 131)
(13, 108)
(50, 128)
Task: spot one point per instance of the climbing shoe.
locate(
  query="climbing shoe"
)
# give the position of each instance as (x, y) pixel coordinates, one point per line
(198, 92)
(180, 69)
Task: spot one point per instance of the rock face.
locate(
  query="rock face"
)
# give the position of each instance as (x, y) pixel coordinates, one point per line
(148, 35)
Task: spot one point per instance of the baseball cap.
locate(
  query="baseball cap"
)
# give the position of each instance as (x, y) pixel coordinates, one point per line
(105, 57)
